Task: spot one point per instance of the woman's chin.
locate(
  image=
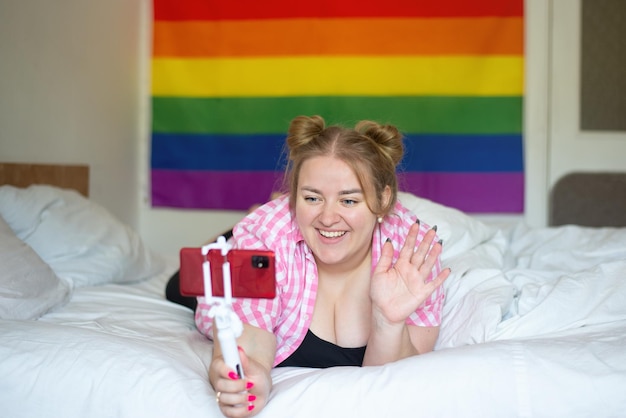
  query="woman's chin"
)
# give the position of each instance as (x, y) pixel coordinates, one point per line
(329, 257)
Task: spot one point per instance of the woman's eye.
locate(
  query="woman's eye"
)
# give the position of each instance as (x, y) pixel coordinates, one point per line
(310, 199)
(349, 202)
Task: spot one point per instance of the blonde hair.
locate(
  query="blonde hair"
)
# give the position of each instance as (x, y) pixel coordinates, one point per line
(372, 150)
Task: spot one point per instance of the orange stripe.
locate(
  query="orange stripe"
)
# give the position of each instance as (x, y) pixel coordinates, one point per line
(292, 37)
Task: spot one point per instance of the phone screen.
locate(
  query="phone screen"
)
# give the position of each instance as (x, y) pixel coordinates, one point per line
(252, 272)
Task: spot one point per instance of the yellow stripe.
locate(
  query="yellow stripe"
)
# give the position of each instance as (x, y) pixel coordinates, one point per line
(361, 76)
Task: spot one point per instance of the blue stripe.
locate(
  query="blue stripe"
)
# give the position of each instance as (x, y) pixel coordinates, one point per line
(217, 152)
(424, 153)
(463, 153)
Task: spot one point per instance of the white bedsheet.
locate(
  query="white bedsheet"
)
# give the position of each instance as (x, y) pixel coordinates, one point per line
(113, 351)
(534, 326)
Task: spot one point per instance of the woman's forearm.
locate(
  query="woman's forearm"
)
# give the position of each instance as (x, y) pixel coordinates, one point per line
(392, 342)
(247, 396)
(258, 344)
(387, 343)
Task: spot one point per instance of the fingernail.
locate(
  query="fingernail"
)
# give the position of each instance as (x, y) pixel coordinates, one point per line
(250, 407)
(251, 398)
(388, 240)
(233, 375)
(417, 221)
(249, 385)
(440, 242)
(434, 228)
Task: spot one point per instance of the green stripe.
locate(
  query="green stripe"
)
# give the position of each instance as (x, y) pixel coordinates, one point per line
(467, 115)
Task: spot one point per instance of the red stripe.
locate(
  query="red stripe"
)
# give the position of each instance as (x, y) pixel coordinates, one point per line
(282, 9)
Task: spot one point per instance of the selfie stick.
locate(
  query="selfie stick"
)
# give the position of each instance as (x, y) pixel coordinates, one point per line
(229, 326)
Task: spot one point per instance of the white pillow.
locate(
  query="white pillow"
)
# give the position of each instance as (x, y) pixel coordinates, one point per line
(80, 240)
(28, 286)
(459, 231)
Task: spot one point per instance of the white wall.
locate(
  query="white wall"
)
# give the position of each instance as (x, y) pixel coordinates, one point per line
(69, 71)
(536, 110)
(167, 230)
(569, 148)
(74, 88)
(554, 143)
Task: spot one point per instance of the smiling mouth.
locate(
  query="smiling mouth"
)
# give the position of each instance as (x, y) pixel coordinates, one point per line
(332, 234)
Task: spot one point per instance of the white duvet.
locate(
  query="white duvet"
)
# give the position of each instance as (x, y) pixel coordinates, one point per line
(534, 326)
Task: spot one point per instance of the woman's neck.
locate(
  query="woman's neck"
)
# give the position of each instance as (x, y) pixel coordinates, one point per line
(358, 267)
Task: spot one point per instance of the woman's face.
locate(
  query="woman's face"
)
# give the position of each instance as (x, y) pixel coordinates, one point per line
(332, 213)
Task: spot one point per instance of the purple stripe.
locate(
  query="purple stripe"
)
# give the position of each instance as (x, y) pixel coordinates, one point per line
(212, 189)
(470, 192)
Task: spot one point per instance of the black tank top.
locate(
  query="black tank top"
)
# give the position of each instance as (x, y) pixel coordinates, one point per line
(317, 353)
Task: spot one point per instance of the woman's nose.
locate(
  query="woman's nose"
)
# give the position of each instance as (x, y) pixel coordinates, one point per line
(329, 215)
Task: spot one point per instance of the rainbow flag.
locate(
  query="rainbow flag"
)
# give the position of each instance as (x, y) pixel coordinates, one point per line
(228, 76)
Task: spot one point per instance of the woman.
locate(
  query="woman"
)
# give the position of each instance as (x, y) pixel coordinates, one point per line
(358, 277)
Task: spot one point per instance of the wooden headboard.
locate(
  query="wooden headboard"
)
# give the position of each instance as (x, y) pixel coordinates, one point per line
(61, 175)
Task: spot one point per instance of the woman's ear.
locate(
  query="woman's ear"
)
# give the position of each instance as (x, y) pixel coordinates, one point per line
(386, 197)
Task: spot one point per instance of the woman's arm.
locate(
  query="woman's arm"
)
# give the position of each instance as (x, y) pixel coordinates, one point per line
(245, 397)
(397, 290)
(387, 343)
(390, 343)
(423, 338)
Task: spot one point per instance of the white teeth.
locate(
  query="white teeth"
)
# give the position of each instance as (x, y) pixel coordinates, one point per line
(332, 234)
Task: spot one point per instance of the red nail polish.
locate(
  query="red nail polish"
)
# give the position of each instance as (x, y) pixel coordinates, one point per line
(249, 385)
(251, 398)
(233, 375)
(250, 407)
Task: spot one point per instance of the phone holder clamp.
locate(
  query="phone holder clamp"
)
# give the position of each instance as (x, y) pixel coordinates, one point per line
(229, 325)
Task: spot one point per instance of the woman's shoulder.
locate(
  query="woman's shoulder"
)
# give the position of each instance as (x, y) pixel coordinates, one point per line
(266, 226)
(401, 216)
(398, 221)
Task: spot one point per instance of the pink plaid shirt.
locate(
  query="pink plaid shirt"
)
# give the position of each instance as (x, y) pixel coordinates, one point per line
(288, 316)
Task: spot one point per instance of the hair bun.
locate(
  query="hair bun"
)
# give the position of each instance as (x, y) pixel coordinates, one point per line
(388, 138)
(303, 129)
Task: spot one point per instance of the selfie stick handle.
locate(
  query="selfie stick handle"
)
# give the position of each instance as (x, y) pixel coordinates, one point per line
(229, 326)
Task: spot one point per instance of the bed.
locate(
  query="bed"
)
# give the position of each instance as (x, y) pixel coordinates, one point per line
(534, 325)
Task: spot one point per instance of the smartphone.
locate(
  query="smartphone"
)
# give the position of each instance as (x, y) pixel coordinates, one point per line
(252, 272)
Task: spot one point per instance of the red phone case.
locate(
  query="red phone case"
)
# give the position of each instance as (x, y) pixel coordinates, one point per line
(252, 272)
